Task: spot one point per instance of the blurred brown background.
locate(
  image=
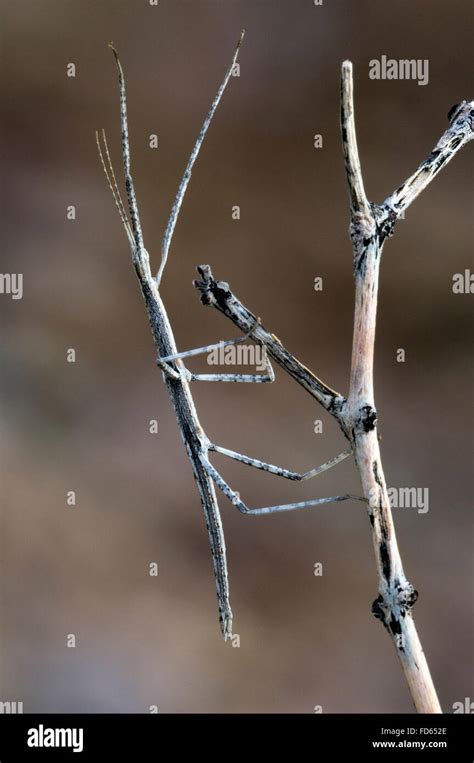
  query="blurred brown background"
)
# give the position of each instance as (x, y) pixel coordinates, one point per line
(305, 640)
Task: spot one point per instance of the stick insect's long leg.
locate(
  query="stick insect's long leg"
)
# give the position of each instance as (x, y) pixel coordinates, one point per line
(269, 376)
(278, 470)
(189, 376)
(209, 347)
(240, 505)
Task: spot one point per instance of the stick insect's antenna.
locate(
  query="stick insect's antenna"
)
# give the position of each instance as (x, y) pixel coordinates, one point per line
(165, 245)
(112, 182)
(112, 173)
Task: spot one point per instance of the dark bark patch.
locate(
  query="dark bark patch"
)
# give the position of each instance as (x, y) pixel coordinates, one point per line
(395, 626)
(377, 610)
(456, 141)
(367, 418)
(385, 559)
(360, 263)
(452, 111)
(375, 472)
(412, 598)
(383, 525)
(440, 162)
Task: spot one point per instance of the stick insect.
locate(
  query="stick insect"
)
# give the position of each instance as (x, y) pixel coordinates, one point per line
(177, 377)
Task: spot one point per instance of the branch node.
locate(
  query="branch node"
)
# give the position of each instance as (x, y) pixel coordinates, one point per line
(366, 420)
(395, 604)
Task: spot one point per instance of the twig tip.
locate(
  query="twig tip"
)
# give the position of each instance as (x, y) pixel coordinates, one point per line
(346, 69)
(116, 55)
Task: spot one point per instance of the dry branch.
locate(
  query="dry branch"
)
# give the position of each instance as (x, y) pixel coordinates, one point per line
(357, 416)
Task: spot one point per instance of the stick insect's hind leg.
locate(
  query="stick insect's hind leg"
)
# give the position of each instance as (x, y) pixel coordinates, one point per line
(241, 506)
(278, 470)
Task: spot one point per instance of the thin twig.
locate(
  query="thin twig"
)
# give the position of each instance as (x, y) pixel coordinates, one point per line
(359, 202)
(459, 132)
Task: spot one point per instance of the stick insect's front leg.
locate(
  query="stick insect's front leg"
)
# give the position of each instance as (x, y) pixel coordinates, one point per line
(235, 499)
